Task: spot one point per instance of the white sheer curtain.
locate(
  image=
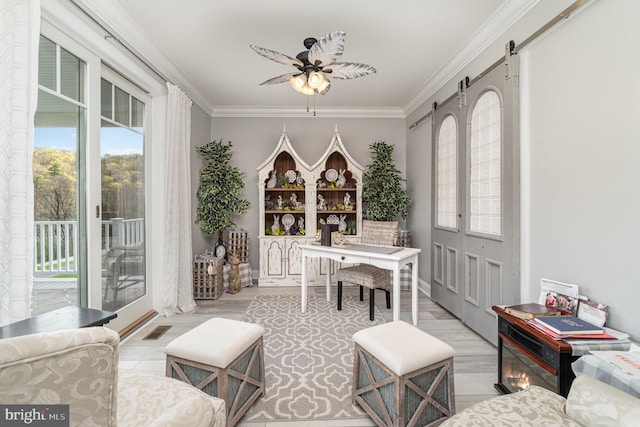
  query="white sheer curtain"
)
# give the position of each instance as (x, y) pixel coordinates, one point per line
(19, 32)
(177, 294)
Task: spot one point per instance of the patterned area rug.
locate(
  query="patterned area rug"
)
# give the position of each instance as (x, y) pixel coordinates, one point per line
(308, 356)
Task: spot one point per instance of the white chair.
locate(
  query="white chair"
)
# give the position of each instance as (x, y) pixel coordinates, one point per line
(368, 276)
(79, 368)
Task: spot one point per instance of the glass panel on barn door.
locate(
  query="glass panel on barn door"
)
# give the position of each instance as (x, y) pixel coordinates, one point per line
(123, 216)
(447, 174)
(485, 154)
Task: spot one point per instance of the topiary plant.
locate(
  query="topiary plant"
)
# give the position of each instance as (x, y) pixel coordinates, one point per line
(219, 191)
(383, 194)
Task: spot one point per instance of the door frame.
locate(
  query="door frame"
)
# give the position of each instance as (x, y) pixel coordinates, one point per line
(93, 284)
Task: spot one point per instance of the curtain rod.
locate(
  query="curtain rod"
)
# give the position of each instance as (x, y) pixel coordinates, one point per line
(125, 45)
(561, 16)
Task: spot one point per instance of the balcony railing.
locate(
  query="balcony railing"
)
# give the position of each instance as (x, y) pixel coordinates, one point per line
(56, 242)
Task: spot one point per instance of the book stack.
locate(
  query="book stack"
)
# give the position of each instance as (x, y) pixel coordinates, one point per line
(565, 327)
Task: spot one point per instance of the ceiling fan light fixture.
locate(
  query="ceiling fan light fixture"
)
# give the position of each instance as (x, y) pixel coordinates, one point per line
(315, 80)
(316, 64)
(298, 82)
(324, 87)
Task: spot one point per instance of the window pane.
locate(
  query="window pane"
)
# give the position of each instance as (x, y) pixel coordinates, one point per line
(137, 114)
(122, 106)
(122, 161)
(57, 242)
(47, 64)
(447, 204)
(71, 78)
(106, 99)
(485, 198)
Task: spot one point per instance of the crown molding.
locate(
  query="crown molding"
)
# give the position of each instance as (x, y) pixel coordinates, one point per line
(352, 113)
(502, 19)
(115, 20)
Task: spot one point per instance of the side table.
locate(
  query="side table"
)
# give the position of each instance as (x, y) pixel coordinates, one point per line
(68, 317)
(527, 356)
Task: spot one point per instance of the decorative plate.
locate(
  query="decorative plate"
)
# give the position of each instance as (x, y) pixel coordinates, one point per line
(288, 220)
(333, 219)
(331, 175)
(291, 175)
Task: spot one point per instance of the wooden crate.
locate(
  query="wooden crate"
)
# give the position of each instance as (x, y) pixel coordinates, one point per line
(207, 276)
(238, 243)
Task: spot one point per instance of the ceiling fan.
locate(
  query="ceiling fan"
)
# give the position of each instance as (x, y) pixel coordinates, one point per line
(316, 64)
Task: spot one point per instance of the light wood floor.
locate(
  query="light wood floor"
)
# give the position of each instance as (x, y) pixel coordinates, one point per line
(475, 362)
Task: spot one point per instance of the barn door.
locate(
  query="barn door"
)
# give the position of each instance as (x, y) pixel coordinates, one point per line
(475, 232)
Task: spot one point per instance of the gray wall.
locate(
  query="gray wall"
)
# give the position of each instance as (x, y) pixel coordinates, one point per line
(254, 139)
(584, 181)
(580, 179)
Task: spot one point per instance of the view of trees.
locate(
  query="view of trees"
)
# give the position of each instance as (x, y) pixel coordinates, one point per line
(54, 182)
(55, 186)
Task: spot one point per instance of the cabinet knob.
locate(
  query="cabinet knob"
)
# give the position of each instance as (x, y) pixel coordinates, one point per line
(342, 258)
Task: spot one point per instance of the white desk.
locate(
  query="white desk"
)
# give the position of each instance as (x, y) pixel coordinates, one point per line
(367, 254)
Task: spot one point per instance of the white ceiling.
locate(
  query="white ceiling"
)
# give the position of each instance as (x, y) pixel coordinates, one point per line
(203, 45)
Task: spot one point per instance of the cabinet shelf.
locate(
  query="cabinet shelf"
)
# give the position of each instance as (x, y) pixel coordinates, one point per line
(280, 189)
(282, 211)
(323, 189)
(329, 211)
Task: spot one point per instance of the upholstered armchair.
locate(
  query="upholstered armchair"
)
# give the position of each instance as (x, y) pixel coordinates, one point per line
(79, 367)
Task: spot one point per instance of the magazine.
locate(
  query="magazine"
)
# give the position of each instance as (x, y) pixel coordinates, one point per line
(565, 303)
(593, 312)
(547, 285)
(627, 361)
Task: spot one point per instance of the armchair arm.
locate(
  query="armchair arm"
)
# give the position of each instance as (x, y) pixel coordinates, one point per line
(77, 367)
(593, 403)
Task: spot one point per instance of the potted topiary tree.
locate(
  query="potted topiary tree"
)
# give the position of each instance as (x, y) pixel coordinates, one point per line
(219, 191)
(383, 194)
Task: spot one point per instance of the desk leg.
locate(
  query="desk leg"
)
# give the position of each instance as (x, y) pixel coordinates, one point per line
(328, 284)
(303, 284)
(414, 290)
(396, 292)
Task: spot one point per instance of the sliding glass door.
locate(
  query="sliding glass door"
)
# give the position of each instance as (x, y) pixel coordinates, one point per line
(89, 181)
(123, 213)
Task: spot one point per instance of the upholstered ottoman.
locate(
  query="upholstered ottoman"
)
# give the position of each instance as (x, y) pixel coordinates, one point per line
(224, 358)
(402, 376)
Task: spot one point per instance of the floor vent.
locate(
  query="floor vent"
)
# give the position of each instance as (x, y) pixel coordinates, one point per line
(157, 332)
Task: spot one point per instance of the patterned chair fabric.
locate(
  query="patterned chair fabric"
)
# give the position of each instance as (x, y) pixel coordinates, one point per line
(79, 367)
(368, 276)
(590, 403)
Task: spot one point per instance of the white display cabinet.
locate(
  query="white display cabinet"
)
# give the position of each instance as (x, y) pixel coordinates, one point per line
(291, 211)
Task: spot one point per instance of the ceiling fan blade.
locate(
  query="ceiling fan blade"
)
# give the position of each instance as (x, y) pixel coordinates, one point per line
(348, 70)
(276, 56)
(328, 49)
(280, 79)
